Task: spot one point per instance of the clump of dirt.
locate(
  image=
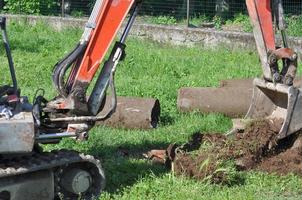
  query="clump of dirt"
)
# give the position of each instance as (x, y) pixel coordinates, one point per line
(219, 156)
(202, 163)
(287, 160)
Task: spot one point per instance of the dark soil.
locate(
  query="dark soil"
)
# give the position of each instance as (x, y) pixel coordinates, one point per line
(219, 156)
(286, 162)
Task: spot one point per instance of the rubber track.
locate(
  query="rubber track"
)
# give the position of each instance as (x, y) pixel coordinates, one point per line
(43, 161)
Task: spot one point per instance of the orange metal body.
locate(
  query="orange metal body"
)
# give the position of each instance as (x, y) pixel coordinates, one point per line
(260, 12)
(109, 21)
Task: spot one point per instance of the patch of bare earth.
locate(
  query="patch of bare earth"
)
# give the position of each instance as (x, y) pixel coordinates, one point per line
(254, 149)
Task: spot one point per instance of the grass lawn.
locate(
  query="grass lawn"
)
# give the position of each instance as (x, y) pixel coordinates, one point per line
(150, 70)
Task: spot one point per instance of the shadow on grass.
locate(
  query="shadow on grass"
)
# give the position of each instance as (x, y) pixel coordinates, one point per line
(124, 165)
(167, 120)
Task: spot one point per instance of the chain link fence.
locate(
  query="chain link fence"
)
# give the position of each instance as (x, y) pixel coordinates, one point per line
(170, 11)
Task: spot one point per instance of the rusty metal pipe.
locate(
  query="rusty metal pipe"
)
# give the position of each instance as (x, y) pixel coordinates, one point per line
(134, 113)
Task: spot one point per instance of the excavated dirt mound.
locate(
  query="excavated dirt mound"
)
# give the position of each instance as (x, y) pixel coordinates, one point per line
(218, 156)
(286, 162)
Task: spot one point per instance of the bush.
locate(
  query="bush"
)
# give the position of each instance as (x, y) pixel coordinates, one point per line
(243, 20)
(166, 20)
(28, 6)
(294, 25)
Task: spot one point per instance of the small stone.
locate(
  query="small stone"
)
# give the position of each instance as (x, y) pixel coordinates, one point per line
(298, 143)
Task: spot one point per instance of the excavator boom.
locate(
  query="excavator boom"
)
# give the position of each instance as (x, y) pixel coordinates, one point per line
(261, 17)
(84, 61)
(74, 107)
(112, 15)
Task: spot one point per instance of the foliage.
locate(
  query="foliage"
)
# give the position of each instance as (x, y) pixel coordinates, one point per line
(242, 20)
(166, 20)
(294, 25)
(198, 20)
(76, 13)
(23, 6)
(28, 6)
(218, 21)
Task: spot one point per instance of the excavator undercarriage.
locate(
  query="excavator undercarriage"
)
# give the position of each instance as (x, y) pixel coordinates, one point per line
(50, 175)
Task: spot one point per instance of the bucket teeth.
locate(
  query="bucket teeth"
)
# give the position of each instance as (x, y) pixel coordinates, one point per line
(277, 102)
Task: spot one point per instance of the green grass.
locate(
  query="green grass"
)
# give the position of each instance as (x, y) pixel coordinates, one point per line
(150, 70)
(294, 25)
(241, 20)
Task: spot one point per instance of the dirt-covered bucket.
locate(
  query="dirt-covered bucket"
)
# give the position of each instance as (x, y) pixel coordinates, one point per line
(277, 101)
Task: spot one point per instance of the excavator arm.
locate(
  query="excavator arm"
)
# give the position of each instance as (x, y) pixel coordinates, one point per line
(75, 110)
(262, 14)
(274, 96)
(84, 61)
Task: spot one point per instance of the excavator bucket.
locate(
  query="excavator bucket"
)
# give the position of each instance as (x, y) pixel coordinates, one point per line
(274, 97)
(277, 101)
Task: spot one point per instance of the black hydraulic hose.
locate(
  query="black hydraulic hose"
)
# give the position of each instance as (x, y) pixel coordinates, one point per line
(98, 94)
(94, 118)
(129, 25)
(61, 68)
(8, 53)
(278, 13)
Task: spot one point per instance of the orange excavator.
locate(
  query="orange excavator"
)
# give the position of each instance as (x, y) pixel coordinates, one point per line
(28, 173)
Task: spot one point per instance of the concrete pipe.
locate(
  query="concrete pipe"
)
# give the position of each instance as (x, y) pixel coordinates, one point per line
(232, 98)
(249, 82)
(133, 113)
(246, 83)
(231, 101)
